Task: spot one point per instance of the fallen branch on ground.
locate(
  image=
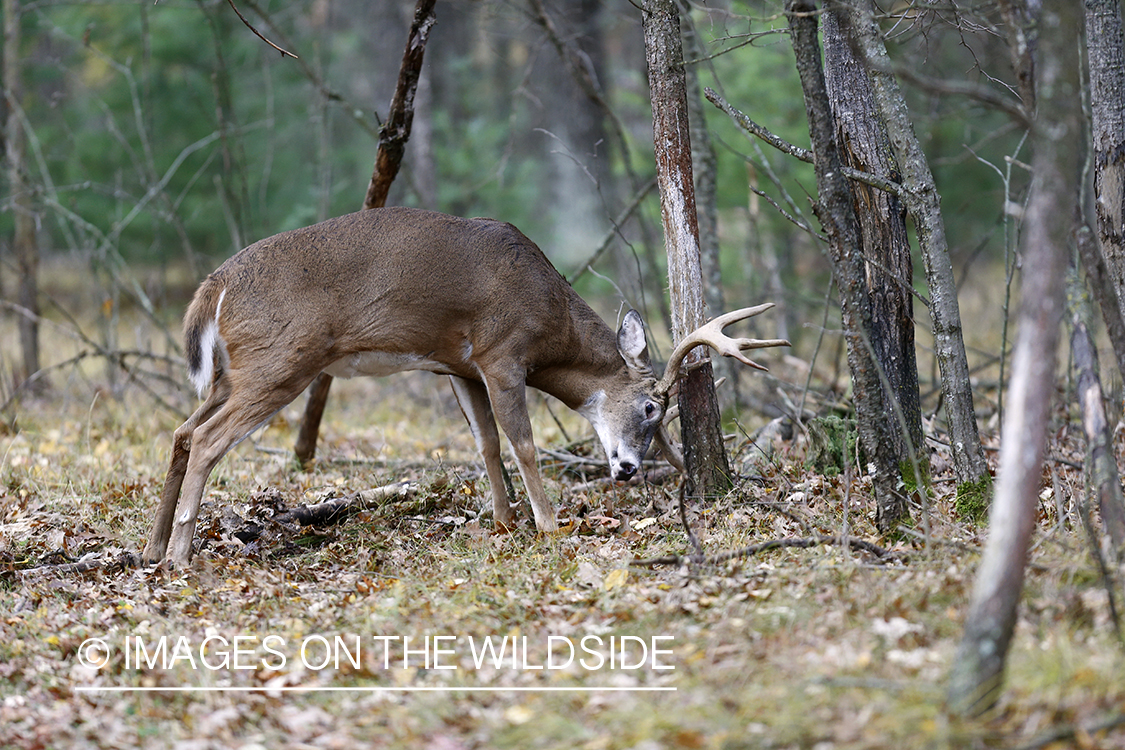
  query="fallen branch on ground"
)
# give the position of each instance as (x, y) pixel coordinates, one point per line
(754, 549)
(335, 510)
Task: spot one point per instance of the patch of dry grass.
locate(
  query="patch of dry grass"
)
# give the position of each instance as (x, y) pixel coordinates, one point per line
(816, 647)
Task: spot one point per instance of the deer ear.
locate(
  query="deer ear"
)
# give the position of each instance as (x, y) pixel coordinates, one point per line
(631, 343)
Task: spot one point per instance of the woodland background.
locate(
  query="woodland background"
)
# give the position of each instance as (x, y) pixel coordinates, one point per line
(160, 139)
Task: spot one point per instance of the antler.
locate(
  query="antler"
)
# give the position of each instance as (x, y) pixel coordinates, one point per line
(711, 334)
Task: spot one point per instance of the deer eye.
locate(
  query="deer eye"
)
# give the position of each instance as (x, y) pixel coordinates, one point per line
(650, 409)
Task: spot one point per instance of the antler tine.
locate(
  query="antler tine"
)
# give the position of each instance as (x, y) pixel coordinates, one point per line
(711, 334)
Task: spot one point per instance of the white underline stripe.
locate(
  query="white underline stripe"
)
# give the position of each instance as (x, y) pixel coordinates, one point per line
(360, 689)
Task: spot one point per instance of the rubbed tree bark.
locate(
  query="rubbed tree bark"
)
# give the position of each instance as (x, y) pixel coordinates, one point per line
(978, 672)
(862, 140)
(24, 245)
(705, 457)
(1105, 50)
(835, 210)
(392, 145)
(919, 194)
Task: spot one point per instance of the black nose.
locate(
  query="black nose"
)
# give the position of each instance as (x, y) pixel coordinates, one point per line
(625, 470)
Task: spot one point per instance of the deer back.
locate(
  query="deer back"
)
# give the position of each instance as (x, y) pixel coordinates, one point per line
(422, 289)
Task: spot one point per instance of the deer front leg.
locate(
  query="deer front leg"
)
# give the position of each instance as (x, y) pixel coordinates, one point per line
(473, 400)
(509, 403)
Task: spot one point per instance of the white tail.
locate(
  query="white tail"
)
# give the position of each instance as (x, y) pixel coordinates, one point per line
(393, 289)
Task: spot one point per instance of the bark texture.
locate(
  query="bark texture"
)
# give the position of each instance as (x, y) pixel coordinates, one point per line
(1105, 50)
(392, 145)
(919, 194)
(978, 671)
(835, 208)
(705, 458)
(862, 140)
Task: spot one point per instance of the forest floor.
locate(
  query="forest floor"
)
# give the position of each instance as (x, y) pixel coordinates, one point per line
(413, 624)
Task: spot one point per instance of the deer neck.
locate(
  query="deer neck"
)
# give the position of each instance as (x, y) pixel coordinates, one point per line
(585, 364)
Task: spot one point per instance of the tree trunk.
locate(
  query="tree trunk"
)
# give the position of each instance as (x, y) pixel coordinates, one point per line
(862, 140)
(392, 145)
(919, 193)
(396, 130)
(1105, 50)
(978, 670)
(24, 245)
(1101, 464)
(1019, 23)
(835, 210)
(705, 457)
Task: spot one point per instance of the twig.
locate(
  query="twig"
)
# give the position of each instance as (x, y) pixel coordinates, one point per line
(654, 476)
(332, 511)
(258, 33)
(697, 555)
(788, 216)
(1058, 734)
(357, 113)
(88, 561)
(785, 147)
(754, 549)
(116, 356)
(571, 458)
(614, 229)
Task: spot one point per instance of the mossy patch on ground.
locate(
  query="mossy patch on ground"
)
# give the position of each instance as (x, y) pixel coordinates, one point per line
(833, 442)
(973, 499)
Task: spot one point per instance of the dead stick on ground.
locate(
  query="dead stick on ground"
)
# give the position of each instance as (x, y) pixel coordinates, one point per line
(332, 511)
(804, 543)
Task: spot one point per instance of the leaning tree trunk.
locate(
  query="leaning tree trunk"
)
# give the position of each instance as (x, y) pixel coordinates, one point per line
(978, 671)
(705, 457)
(919, 193)
(26, 250)
(392, 145)
(835, 210)
(1105, 50)
(863, 144)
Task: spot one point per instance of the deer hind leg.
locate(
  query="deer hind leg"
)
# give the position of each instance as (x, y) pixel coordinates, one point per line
(246, 408)
(158, 536)
(509, 403)
(473, 400)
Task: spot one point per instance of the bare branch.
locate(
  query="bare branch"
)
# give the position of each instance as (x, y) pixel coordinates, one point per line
(785, 147)
(258, 33)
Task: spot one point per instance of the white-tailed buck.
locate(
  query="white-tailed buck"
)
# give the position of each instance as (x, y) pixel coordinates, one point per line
(393, 289)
